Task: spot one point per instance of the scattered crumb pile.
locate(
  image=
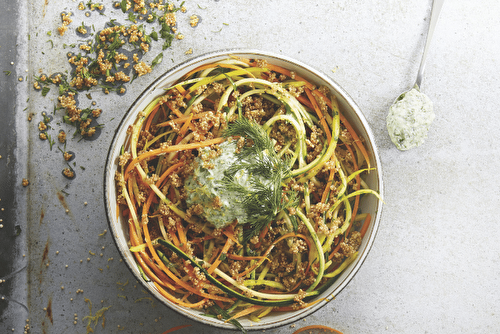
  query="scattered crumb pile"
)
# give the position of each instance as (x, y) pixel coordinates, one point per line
(107, 60)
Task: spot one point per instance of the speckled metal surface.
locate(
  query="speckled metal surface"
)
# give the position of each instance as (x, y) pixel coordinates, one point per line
(434, 265)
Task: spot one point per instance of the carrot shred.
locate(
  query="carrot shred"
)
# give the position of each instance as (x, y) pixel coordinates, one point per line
(225, 249)
(175, 240)
(181, 233)
(173, 148)
(169, 171)
(258, 263)
(183, 119)
(175, 110)
(296, 286)
(357, 141)
(308, 328)
(328, 183)
(178, 301)
(140, 259)
(117, 211)
(176, 328)
(322, 119)
(348, 126)
(281, 70)
(264, 256)
(200, 240)
(183, 130)
(263, 232)
(151, 116)
(214, 256)
(181, 90)
(131, 191)
(171, 194)
(289, 74)
(262, 235)
(229, 232)
(171, 275)
(335, 250)
(356, 200)
(364, 228)
(293, 234)
(302, 99)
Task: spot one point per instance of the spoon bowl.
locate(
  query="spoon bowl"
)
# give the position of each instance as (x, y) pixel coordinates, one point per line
(411, 114)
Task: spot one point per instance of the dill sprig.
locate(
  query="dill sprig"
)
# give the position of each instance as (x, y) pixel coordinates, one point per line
(262, 198)
(217, 310)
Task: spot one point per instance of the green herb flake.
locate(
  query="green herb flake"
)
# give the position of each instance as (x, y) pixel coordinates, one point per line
(123, 5)
(168, 41)
(132, 17)
(45, 90)
(158, 59)
(17, 230)
(51, 141)
(154, 35)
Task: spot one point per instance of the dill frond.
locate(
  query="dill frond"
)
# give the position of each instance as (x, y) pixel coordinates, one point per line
(262, 195)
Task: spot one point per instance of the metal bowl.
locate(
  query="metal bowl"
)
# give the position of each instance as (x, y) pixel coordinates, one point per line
(369, 204)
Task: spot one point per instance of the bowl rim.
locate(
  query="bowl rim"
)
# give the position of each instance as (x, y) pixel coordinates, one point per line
(110, 161)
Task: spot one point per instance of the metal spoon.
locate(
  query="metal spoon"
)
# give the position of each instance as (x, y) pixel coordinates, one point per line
(435, 11)
(411, 114)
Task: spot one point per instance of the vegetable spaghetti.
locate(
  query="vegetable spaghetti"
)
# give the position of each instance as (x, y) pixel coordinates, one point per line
(241, 186)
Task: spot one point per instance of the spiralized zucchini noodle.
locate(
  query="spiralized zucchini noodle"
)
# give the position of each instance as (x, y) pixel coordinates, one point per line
(241, 186)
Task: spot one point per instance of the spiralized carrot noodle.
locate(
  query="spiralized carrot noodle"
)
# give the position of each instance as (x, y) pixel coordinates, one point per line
(241, 186)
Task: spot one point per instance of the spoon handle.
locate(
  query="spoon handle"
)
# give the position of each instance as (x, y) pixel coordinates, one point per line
(436, 9)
